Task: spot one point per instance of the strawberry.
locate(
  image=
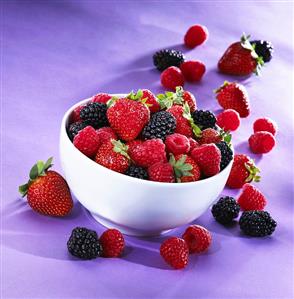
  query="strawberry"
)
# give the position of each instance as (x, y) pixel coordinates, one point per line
(197, 238)
(228, 120)
(127, 118)
(113, 155)
(243, 171)
(106, 134)
(177, 144)
(185, 168)
(234, 96)
(208, 158)
(175, 252)
(148, 152)
(172, 77)
(101, 98)
(262, 142)
(240, 59)
(75, 115)
(112, 242)
(47, 191)
(161, 172)
(251, 199)
(195, 36)
(193, 70)
(209, 135)
(265, 124)
(147, 97)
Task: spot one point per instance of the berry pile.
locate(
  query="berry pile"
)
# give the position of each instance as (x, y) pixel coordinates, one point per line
(162, 138)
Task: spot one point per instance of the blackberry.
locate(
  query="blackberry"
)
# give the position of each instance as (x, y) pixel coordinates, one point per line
(166, 58)
(137, 172)
(225, 210)
(226, 152)
(94, 114)
(84, 243)
(264, 49)
(204, 119)
(160, 125)
(74, 129)
(257, 223)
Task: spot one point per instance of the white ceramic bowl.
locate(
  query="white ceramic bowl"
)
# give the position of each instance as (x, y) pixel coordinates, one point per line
(136, 207)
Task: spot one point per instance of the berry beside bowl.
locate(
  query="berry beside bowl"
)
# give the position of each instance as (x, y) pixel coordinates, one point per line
(134, 206)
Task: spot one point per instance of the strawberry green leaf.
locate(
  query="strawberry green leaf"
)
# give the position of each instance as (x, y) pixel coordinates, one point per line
(34, 172)
(217, 90)
(112, 101)
(48, 164)
(40, 165)
(23, 189)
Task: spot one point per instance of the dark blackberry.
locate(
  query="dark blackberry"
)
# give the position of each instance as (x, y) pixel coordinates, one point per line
(166, 58)
(84, 243)
(204, 119)
(257, 223)
(225, 210)
(94, 114)
(137, 172)
(160, 125)
(264, 49)
(226, 152)
(74, 129)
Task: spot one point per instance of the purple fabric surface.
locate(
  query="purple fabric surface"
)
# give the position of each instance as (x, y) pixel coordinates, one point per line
(57, 53)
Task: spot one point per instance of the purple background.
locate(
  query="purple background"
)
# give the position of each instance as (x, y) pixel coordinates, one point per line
(57, 53)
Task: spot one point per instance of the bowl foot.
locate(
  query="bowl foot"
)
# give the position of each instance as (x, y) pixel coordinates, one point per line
(127, 230)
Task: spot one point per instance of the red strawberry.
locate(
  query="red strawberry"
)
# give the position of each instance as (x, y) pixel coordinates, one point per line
(228, 120)
(261, 142)
(189, 98)
(234, 96)
(148, 153)
(47, 191)
(193, 144)
(193, 70)
(185, 168)
(265, 124)
(208, 158)
(128, 118)
(209, 136)
(75, 115)
(177, 144)
(243, 171)
(197, 238)
(106, 134)
(251, 199)
(175, 252)
(87, 141)
(113, 155)
(112, 242)
(172, 77)
(101, 98)
(195, 36)
(240, 59)
(147, 97)
(161, 172)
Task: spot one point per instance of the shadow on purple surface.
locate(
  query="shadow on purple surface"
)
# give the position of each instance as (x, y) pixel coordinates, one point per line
(243, 147)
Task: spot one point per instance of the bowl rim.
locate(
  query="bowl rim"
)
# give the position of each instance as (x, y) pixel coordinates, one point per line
(64, 123)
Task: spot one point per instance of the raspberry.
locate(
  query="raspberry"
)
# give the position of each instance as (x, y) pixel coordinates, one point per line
(75, 115)
(193, 144)
(209, 136)
(112, 242)
(193, 70)
(177, 144)
(195, 36)
(175, 252)
(172, 77)
(265, 124)
(225, 210)
(251, 199)
(161, 172)
(261, 142)
(228, 120)
(87, 141)
(132, 145)
(106, 134)
(101, 98)
(197, 238)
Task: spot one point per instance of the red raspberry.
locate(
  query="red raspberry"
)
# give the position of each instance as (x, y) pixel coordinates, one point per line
(195, 36)
(265, 124)
(112, 242)
(161, 172)
(132, 145)
(175, 252)
(172, 77)
(193, 70)
(148, 153)
(177, 144)
(75, 115)
(228, 120)
(180, 163)
(251, 198)
(197, 238)
(261, 142)
(101, 98)
(87, 141)
(106, 134)
(193, 144)
(209, 135)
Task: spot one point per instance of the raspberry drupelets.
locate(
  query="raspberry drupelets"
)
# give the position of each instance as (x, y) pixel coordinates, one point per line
(265, 124)
(195, 36)
(177, 144)
(261, 142)
(101, 98)
(172, 77)
(161, 172)
(193, 70)
(112, 242)
(228, 120)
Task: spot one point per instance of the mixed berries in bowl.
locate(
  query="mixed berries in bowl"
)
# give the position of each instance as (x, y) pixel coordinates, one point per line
(144, 163)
